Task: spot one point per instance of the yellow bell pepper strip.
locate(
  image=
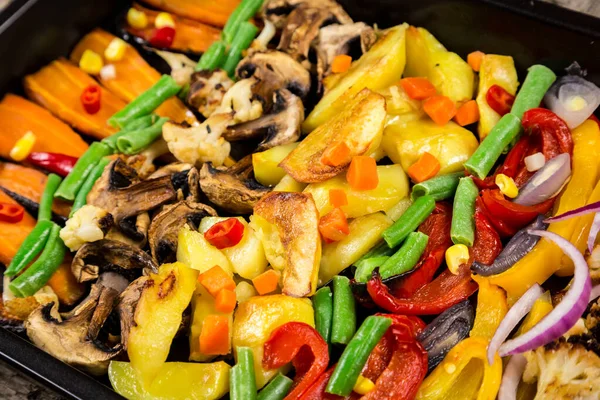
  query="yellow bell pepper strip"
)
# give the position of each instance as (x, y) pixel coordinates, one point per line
(491, 309)
(541, 307)
(540, 263)
(442, 382)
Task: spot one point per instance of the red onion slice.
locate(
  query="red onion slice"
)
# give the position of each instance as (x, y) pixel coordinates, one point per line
(593, 232)
(547, 182)
(566, 313)
(578, 212)
(573, 99)
(511, 377)
(512, 318)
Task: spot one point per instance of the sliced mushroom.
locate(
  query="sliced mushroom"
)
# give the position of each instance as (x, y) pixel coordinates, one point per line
(277, 11)
(95, 258)
(127, 304)
(68, 338)
(207, 90)
(282, 126)
(277, 68)
(106, 302)
(232, 189)
(166, 225)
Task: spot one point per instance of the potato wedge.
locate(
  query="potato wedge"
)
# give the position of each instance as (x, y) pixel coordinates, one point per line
(379, 68)
(175, 381)
(365, 232)
(392, 187)
(158, 317)
(247, 258)
(451, 144)
(426, 57)
(359, 126)
(288, 227)
(195, 251)
(398, 103)
(266, 164)
(289, 184)
(495, 70)
(255, 320)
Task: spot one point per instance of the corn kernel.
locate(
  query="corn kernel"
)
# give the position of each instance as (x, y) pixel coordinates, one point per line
(363, 385)
(164, 19)
(456, 256)
(23, 147)
(91, 62)
(507, 186)
(115, 50)
(137, 19)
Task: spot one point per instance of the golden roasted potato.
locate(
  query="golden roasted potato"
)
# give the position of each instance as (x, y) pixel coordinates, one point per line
(392, 187)
(195, 251)
(289, 184)
(175, 381)
(426, 57)
(398, 103)
(495, 70)
(365, 232)
(396, 211)
(359, 126)
(255, 320)
(203, 305)
(158, 317)
(247, 258)
(377, 69)
(451, 144)
(266, 164)
(288, 227)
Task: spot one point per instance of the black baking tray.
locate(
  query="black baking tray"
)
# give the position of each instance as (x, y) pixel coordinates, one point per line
(35, 32)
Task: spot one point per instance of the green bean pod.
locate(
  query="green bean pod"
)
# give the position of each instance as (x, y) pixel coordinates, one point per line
(344, 312)
(537, 82)
(440, 187)
(323, 305)
(81, 198)
(409, 221)
(277, 389)
(212, 58)
(355, 355)
(365, 268)
(241, 42)
(242, 384)
(137, 124)
(45, 210)
(136, 141)
(32, 246)
(462, 230)
(243, 12)
(406, 257)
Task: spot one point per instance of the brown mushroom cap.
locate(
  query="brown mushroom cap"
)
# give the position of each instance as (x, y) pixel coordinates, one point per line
(277, 11)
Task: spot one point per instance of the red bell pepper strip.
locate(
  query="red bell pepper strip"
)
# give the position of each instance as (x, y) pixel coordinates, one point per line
(303, 346)
(60, 164)
(316, 391)
(499, 99)
(555, 134)
(487, 243)
(225, 234)
(442, 293)
(90, 99)
(11, 213)
(163, 37)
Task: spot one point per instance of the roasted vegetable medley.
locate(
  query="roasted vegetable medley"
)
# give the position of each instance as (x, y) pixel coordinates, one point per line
(305, 207)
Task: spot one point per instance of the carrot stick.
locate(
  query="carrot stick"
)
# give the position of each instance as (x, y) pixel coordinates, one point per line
(334, 226)
(418, 88)
(362, 174)
(215, 279)
(214, 338)
(440, 109)
(341, 63)
(337, 197)
(65, 285)
(474, 60)
(425, 168)
(225, 301)
(467, 114)
(336, 154)
(266, 282)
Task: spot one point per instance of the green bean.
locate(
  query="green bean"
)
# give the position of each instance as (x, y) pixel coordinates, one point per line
(355, 355)
(45, 210)
(241, 42)
(409, 221)
(406, 257)
(440, 188)
(212, 58)
(242, 384)
(462, 230)
(344, 314)
(136, 141)
(36, 276)
(365, 268)
(86, 163)
(243, 12)
(30, 248)
(277, 389)
(537, 82)
(147, 102)
(81, 198)
(323, 305)
(137, 124)
(483, 159)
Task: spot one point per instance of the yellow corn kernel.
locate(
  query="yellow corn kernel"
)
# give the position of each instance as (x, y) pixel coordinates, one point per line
(507, 186)
(363, 385)
(164, 19)
(23, 147)
(115, 50)
(91, 62)
(456, 256)
(137, 19)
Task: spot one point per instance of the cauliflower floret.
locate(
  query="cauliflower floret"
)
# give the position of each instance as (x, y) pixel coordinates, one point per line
(208, 89)
(199, 144)
(563, 371)
(241, 101)
(88, 224)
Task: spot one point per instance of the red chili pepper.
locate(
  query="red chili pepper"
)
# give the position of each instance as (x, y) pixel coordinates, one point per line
(487, 243)
(60, 164)
(90, 99)
(225, 234)
(499, 99)
(11, 213)
(303, 346)
(163, 37)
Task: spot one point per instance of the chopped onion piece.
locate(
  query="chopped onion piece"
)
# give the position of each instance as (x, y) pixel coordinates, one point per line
(547, 182)
(511, 377)
(108, 72)
(593, 232)
(573, 99)
(535, 161)
(566, 313)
